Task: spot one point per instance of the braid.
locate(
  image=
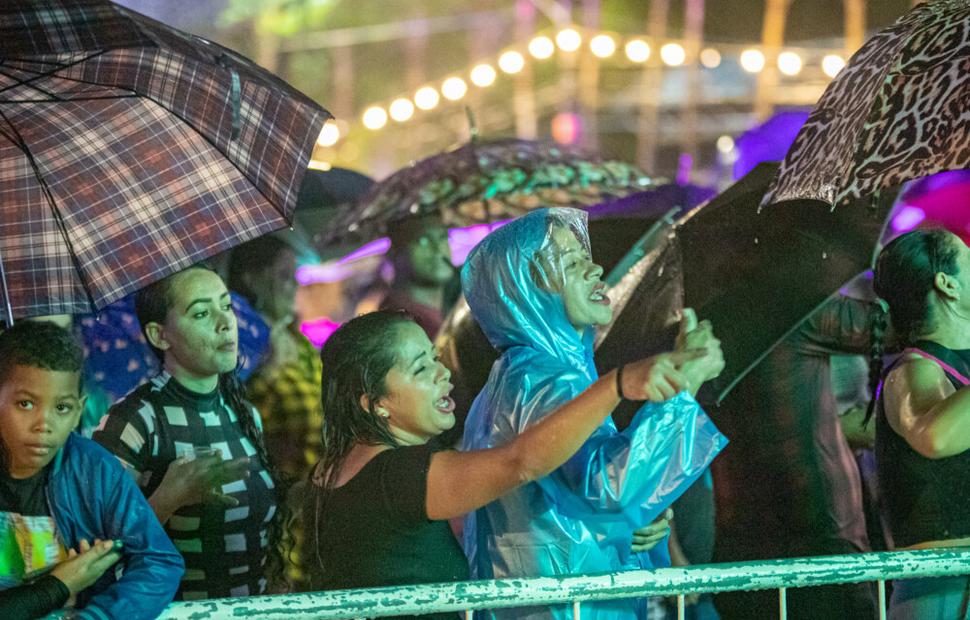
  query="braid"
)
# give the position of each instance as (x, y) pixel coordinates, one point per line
(279, 533)
(878, 322)
(904, 277)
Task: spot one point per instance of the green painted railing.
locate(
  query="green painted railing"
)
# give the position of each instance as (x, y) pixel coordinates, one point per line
(471, 595)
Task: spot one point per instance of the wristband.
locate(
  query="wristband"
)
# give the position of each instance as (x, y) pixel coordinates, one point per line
(619, 383)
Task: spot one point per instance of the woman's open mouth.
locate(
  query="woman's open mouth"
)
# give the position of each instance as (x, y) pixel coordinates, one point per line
(445, 404)
(599, 296)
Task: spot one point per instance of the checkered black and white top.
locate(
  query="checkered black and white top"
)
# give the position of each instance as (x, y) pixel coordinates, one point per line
(224, 548)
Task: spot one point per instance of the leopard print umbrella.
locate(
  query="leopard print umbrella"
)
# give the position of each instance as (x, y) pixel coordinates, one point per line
(899, 110)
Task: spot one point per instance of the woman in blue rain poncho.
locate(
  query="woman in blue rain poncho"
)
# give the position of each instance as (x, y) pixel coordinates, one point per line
(536, 293)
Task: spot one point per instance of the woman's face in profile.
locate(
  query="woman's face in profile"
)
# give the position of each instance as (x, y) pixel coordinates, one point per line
(583, 290)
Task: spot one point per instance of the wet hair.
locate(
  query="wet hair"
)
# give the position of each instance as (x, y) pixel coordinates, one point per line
(546, 266)
(356, 359)
(39, 344)
(250, 258)
(904, 278)
(152, 304)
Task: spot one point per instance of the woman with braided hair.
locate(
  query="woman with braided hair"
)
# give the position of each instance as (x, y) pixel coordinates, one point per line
(195, 446)
(922, 409)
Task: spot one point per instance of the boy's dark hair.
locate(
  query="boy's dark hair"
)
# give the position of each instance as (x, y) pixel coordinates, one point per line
(41, 345)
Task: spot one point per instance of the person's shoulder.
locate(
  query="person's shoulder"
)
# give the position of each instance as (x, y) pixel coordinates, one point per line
(147, 391)
(913, 373)
(89, 456)
(139, 407)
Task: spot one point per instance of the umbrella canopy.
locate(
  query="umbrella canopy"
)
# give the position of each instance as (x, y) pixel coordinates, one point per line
(755, 273)
(130, 150)
(484, 181)
(899, 110)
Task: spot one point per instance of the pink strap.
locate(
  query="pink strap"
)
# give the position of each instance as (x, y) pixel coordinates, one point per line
(949, 369)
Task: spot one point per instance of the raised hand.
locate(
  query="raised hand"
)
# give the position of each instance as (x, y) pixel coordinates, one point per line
(693, 336)
(660, 377)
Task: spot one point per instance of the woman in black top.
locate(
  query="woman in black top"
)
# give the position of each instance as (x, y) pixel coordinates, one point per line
(196, 447)
(923, 412)
(377, 508)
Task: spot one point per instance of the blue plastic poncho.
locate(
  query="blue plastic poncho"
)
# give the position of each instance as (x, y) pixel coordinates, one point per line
(580, 518)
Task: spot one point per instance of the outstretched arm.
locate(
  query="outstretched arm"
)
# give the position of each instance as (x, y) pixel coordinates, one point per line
(459, 482)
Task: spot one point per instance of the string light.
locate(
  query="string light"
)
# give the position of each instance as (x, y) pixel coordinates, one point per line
(710, 57)
(673, 54)
(637, 50)
(832, 64)
(328, 135)
(752, 60)
(374, 117)
(789, 63)
(511, 62)
(568, 40)
(454, 88)
(483, 75)
(426, 98)
(401, 109)
(725, 144)
(542, 47)
(602, 46)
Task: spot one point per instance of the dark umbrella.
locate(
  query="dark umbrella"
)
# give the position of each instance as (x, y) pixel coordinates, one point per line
(756, 275)
(485, 181)
(899, 110)
(131, 150)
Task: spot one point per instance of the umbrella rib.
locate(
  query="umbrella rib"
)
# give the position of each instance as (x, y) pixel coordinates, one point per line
(46, 74)
(62, 228)
(11, 138)
(19, 83)
(59, 100)
(132, 93)
(50, 95)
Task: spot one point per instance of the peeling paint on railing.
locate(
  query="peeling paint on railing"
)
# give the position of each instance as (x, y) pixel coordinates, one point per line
(423, 599)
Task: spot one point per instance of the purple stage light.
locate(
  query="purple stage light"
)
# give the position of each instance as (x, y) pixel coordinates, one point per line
(908, 218)
(318, 330)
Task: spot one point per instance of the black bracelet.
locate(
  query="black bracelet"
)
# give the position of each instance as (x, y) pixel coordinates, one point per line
(619, 383)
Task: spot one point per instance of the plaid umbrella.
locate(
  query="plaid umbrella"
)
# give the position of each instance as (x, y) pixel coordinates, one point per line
(899, 110)
(485, 181)
(130, 150)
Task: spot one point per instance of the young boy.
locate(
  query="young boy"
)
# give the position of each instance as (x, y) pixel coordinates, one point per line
(58, 491)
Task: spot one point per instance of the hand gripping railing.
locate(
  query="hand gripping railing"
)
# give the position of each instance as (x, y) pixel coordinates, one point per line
(467, 596)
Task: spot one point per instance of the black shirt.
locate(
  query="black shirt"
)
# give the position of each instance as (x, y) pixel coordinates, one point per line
(25, 496)
(224, 547)
(923, 499)
(374, 530)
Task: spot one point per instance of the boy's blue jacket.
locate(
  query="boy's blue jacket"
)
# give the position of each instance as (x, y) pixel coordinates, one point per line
(92, 496)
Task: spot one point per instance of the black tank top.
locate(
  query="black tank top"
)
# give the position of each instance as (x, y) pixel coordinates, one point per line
(924, 499)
